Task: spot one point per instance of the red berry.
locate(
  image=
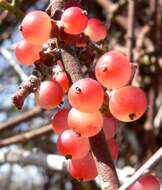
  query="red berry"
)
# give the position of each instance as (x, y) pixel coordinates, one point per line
(49, 95)
(59, 121)
(62, 78)
(113, 70)
(74, 20)
(128, 103)
(95, 30)
(86, 124)
(137, 186)
(27, 53)
(109, 127)
(148, 182)
(86, 95)
(114, 148)
(36, 27)
(72, 145)
(83, 169)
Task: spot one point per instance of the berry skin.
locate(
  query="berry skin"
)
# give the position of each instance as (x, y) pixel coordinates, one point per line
(74, 20)
(113, 70)
(49, 95)
(148, 182)
(72, 146)
(83, 169)
(62, 78)
(36, 27)
(27, 53)
(86, 95)
(137, 186)
(128, 103)
(114, 148)
(109, 127)
(59, 121)
(86, 124)
(95, 30)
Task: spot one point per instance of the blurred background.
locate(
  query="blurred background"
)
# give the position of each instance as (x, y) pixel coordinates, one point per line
(28, 155)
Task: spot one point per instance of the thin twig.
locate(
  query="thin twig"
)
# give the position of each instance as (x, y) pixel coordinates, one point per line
(30, 85)
(150, 114)
(130, 34)
(139, 52)
(8, 56)
(158, 118)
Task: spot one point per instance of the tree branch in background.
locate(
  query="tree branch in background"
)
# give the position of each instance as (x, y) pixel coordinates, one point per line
(110, 9)
(15, 3)
(150, 114)
(153, 91)
(158, 118)
(21, 118)
(107, 7)
(130, 33)
(25, 137)
(46, 161)
(12, 8)
(52, 162)
(8, 56)
(59, 163)
(131, 36)
(139, 51)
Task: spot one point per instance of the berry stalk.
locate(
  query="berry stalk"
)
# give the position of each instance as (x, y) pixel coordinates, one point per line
(104, 163)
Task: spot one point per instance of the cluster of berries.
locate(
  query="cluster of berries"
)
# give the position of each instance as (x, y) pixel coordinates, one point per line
(113, 72)
(37, 27)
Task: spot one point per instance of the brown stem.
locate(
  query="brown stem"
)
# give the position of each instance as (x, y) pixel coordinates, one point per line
(71, 63)
(106, 169)
(104, 163)
(27, 87)
(55, 8)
